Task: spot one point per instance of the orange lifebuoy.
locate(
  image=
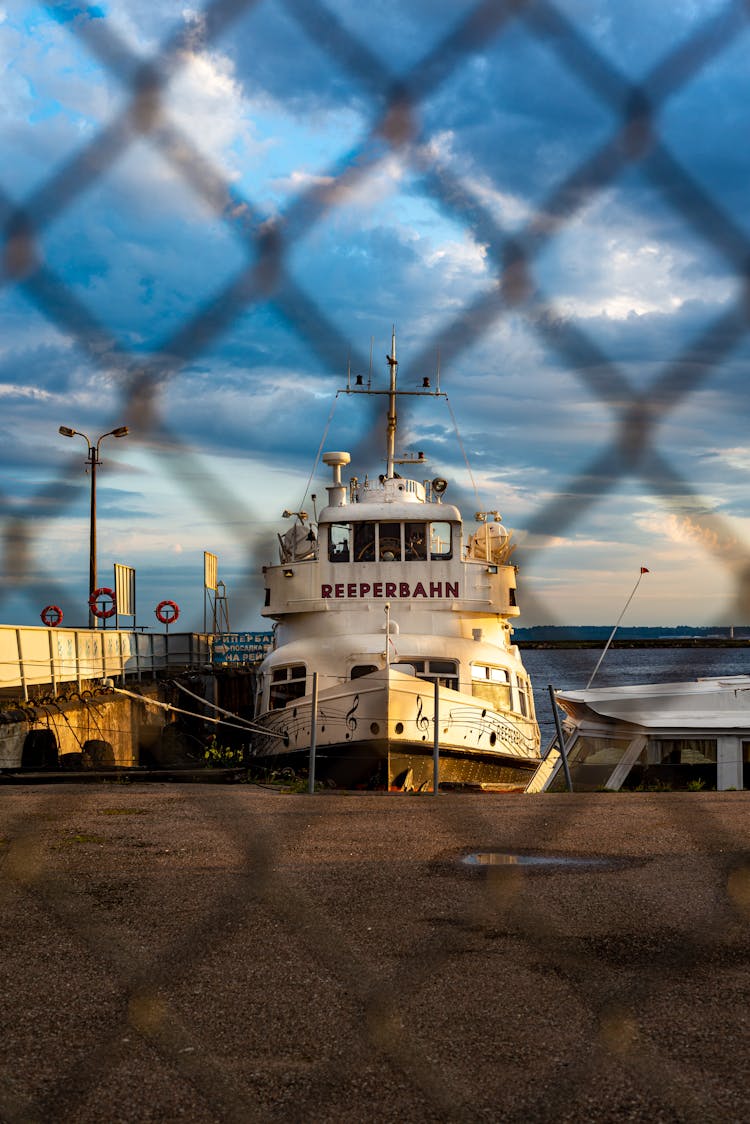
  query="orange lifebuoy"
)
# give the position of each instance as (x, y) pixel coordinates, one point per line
(51, 615)
(103, 614)
(167, 618)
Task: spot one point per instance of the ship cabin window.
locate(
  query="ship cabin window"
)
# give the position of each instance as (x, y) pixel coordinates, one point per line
(491, 684)
(287, 683)
(389, 542)
(521, 696)
(444, 671)
(363, 669)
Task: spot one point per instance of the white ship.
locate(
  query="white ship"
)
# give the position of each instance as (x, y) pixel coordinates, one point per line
(388, 617)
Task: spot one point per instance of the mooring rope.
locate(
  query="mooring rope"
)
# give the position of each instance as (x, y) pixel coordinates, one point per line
(255, 729)
(201, 717)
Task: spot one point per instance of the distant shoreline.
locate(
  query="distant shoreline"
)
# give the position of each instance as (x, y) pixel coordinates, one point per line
(647, 642)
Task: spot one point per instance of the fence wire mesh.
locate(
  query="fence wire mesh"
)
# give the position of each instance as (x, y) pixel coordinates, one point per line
(394, 103)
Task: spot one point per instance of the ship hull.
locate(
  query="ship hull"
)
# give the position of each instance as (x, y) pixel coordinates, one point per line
(379, 731)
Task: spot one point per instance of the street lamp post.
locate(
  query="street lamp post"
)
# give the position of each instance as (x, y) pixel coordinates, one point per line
(93, 461)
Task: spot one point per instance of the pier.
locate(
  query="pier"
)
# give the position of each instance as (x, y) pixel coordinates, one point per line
(83, 699)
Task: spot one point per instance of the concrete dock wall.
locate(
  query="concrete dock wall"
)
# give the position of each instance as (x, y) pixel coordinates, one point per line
(84, 732)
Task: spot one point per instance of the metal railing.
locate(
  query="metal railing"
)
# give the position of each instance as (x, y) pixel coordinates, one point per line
(37, 656)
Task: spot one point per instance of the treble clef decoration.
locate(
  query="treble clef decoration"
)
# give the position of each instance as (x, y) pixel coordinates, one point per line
(423, 721)
(351, 721)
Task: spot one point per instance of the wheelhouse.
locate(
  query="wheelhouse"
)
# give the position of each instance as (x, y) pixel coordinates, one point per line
(391, 541)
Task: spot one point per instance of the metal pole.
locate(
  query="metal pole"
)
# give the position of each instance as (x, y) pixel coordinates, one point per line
(560, 738)
(436, 743)
(313, 733)
(93, 461)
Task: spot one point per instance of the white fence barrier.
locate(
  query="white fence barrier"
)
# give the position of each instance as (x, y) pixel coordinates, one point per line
(34, 656)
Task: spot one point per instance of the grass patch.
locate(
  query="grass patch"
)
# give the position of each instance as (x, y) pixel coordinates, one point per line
(81, 837)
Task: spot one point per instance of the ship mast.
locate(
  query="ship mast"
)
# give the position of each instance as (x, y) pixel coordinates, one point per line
(391, 435)
(390, 451)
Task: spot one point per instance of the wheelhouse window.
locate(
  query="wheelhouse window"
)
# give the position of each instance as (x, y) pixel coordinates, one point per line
(491, 684)
(364, 542)
(287, 683)
(440, 541)
(415, 541)
(339, 542)
(389, 542)
(444, 671)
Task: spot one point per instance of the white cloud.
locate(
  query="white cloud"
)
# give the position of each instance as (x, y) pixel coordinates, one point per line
(726, 537)
(299, 180)
(15, 390)
(609, 262)
(207, 102)
(737, 457)
(456, 258)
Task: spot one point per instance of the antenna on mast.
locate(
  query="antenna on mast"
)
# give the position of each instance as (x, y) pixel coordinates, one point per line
(391, 433)
(349, 371)
(369, 376)
(437, 374)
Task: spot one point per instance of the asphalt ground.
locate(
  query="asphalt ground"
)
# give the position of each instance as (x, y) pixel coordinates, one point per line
(210, 953)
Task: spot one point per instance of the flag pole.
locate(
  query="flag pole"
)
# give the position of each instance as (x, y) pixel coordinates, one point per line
(614, 630)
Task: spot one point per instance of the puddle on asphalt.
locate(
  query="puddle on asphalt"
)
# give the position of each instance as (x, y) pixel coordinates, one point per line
(509, 858)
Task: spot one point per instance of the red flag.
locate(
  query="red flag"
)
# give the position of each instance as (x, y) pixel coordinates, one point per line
(644, 570)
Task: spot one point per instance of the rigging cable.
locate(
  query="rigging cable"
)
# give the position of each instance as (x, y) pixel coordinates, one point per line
(463, 450)
(320, 449)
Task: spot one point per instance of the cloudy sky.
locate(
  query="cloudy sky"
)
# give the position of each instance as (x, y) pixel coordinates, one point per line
(208, 210)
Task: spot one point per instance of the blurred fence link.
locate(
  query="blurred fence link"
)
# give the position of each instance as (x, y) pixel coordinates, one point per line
(395, 126)
(395, 101)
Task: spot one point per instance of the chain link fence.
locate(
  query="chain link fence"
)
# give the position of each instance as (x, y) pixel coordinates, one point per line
(394, 104)
(267, 243)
